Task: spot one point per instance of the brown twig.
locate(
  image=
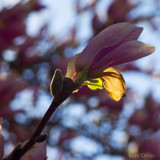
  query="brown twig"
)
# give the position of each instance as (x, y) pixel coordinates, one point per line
(68, 87)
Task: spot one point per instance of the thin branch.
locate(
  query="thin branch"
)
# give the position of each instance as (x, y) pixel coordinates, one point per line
(68, 87)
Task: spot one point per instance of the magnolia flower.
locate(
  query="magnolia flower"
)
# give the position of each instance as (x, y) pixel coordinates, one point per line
(115, 45)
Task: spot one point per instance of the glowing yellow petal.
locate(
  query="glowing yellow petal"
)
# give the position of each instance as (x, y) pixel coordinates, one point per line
(71, 71)
(114, 84)
(94, 84)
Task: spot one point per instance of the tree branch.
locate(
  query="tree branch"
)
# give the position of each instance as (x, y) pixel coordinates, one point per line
(68, 87)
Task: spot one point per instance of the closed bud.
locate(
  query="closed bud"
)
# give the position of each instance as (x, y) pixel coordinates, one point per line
(56, 83)
(41, 138)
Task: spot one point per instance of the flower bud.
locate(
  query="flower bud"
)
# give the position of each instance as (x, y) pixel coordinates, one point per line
(41, 138)
(56, 83)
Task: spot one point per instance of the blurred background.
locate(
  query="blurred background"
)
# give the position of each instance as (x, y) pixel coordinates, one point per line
(36, 37)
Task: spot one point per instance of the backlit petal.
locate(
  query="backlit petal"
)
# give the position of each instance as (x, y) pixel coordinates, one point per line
(71, 71)
(94, 84)
(114, 84)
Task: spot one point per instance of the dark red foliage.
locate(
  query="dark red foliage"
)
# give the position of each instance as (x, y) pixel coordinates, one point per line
(148, 117)
(118, 10)
(151, 147)
(9, 87)
(112, 105)
(12, 22)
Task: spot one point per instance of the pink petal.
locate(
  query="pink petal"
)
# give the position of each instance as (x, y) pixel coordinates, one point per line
(109, 37)
(127, 52)
(133, 35)
(37, 152)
